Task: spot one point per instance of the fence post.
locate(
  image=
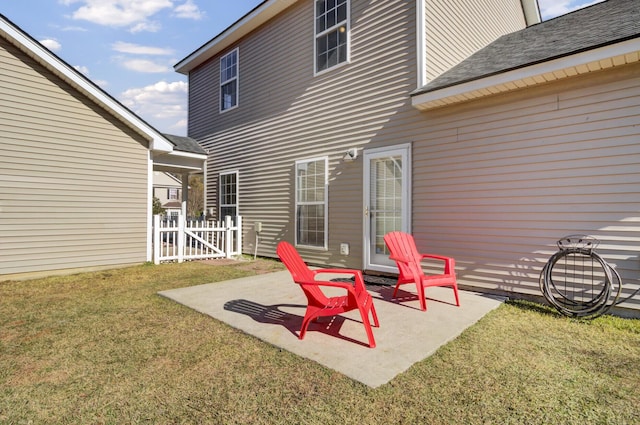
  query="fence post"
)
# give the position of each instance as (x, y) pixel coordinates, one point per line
(156, 239)
(227, 236)
(239, 235)
(181, 223)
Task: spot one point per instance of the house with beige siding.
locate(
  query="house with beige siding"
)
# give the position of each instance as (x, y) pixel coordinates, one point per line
(76, 169)
(487, 134)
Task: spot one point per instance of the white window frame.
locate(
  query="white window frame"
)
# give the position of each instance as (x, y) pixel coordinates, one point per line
(325, 202)
(221, 204)
(224, 82)
(316, 35)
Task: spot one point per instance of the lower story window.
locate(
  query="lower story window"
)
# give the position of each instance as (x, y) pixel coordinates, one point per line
(228, 194)
(311, 202)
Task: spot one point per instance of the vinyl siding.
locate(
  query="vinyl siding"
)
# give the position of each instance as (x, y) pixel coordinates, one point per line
(498, 182)
(286, 113)
(455, 29)
(73, 180)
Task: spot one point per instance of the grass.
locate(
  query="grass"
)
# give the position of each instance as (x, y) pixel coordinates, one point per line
(104, 348)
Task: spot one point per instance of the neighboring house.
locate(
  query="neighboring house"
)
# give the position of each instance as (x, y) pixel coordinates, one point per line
(168, 189)
(487, 140)
(76, 168)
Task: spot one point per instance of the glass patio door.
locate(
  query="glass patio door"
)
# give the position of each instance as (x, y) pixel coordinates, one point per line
(387, 202)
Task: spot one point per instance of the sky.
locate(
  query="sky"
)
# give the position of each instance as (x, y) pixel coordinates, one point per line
(129, 47)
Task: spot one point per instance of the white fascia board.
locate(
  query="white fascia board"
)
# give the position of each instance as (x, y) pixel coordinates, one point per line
(232, 34)
(531, 11)
(490, 84)
(55, 64)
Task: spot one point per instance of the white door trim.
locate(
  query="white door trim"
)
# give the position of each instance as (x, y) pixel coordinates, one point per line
(404, 151)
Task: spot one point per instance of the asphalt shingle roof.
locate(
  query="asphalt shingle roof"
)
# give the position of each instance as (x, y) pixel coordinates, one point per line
(595, 26)
(185, 144)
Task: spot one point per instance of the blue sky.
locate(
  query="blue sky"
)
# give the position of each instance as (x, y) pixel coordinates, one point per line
(129, 47)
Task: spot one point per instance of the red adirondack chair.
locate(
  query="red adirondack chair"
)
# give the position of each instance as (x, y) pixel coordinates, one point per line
(320, 305)
(403, 251)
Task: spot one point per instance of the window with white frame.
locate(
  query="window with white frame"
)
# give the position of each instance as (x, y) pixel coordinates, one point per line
(228, 194)
(311, 202)
(172, 193)
(229, 81)
(332, 33)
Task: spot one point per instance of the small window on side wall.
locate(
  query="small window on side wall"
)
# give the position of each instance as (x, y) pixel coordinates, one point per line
(228, 194)
(229, 81)
(332, 33)
(311, 202)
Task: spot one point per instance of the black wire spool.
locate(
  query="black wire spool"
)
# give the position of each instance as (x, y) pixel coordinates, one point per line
(577, 281)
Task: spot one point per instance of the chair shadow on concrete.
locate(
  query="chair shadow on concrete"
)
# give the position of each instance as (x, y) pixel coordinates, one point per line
(274, 315)
(385, 293)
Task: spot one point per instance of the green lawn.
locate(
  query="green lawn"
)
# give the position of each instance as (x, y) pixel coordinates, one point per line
(105, 348)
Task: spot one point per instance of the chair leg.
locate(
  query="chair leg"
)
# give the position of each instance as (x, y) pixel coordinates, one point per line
(421, 296)
(364, 314)
(455, 292)
(395, 291)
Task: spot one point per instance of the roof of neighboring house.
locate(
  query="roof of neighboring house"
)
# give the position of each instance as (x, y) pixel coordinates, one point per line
(158, 142)
(185, 144)
(598, 26)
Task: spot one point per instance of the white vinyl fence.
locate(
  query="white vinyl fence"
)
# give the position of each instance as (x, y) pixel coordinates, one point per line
(178, 239)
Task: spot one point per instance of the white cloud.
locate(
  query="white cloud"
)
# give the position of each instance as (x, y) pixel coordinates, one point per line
(552, 8)
(163, 104)
(51, 44)
(137, 49)
(82, 69)
(146, 66)
(120, 13)
(189, 10)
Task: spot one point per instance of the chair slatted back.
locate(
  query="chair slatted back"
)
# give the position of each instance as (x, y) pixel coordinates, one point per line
(403, 248)
(299, 270)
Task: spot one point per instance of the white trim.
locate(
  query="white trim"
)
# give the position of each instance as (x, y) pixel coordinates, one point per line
(326, 31)
(149, 254)
(325, 246)
(421, 43)
(225, 82)
(237, 184)
(50, 60)
(404, 150)
(249, 22)
(579, 63)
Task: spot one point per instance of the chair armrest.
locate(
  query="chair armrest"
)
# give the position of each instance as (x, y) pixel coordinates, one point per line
(357, 275)
(449, 262)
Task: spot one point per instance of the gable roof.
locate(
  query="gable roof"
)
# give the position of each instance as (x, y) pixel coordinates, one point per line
(262, 14)
(243, 26)
(596, 37)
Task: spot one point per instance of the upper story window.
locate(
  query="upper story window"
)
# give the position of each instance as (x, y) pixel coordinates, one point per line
(229, 81)
(172, 193)
(332, 31)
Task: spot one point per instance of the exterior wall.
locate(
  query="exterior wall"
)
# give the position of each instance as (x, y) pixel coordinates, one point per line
(498, 181)
(455, 29)
(286, 113)
(74, 181)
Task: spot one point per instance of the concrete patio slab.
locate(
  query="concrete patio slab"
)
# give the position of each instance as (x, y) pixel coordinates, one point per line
(271, 307)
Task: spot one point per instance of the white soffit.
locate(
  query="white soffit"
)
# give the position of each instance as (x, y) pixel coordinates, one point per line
(581, 63)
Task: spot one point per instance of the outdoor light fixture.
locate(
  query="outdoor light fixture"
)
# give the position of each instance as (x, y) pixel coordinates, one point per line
(350, 155)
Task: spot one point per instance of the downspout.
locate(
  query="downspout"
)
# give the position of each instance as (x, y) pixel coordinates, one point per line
(421, 40)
